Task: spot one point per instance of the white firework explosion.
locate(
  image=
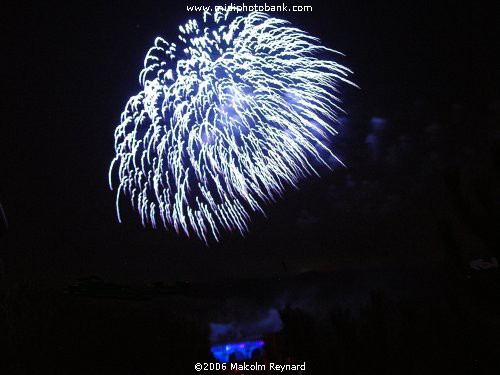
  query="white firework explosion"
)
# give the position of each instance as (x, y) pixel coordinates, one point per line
(226, 122)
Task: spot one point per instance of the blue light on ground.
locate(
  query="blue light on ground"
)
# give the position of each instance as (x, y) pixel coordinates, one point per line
(242, 350)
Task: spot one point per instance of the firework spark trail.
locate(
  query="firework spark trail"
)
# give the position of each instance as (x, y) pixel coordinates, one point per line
(225, 123)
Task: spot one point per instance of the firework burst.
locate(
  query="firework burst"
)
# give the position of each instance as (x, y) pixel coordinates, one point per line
(228, 117)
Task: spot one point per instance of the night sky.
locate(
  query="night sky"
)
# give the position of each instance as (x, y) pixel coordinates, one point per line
(68, 70)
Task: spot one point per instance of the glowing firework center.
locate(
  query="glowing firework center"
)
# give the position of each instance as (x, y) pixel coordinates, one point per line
(226, 120)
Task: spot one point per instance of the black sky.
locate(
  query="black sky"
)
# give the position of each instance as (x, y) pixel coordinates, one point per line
(69, 69)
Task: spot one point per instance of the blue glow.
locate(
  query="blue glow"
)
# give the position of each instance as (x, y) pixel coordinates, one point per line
(228, 119)
(242, 350)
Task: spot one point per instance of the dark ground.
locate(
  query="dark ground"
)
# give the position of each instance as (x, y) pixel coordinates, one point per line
(384, 322)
